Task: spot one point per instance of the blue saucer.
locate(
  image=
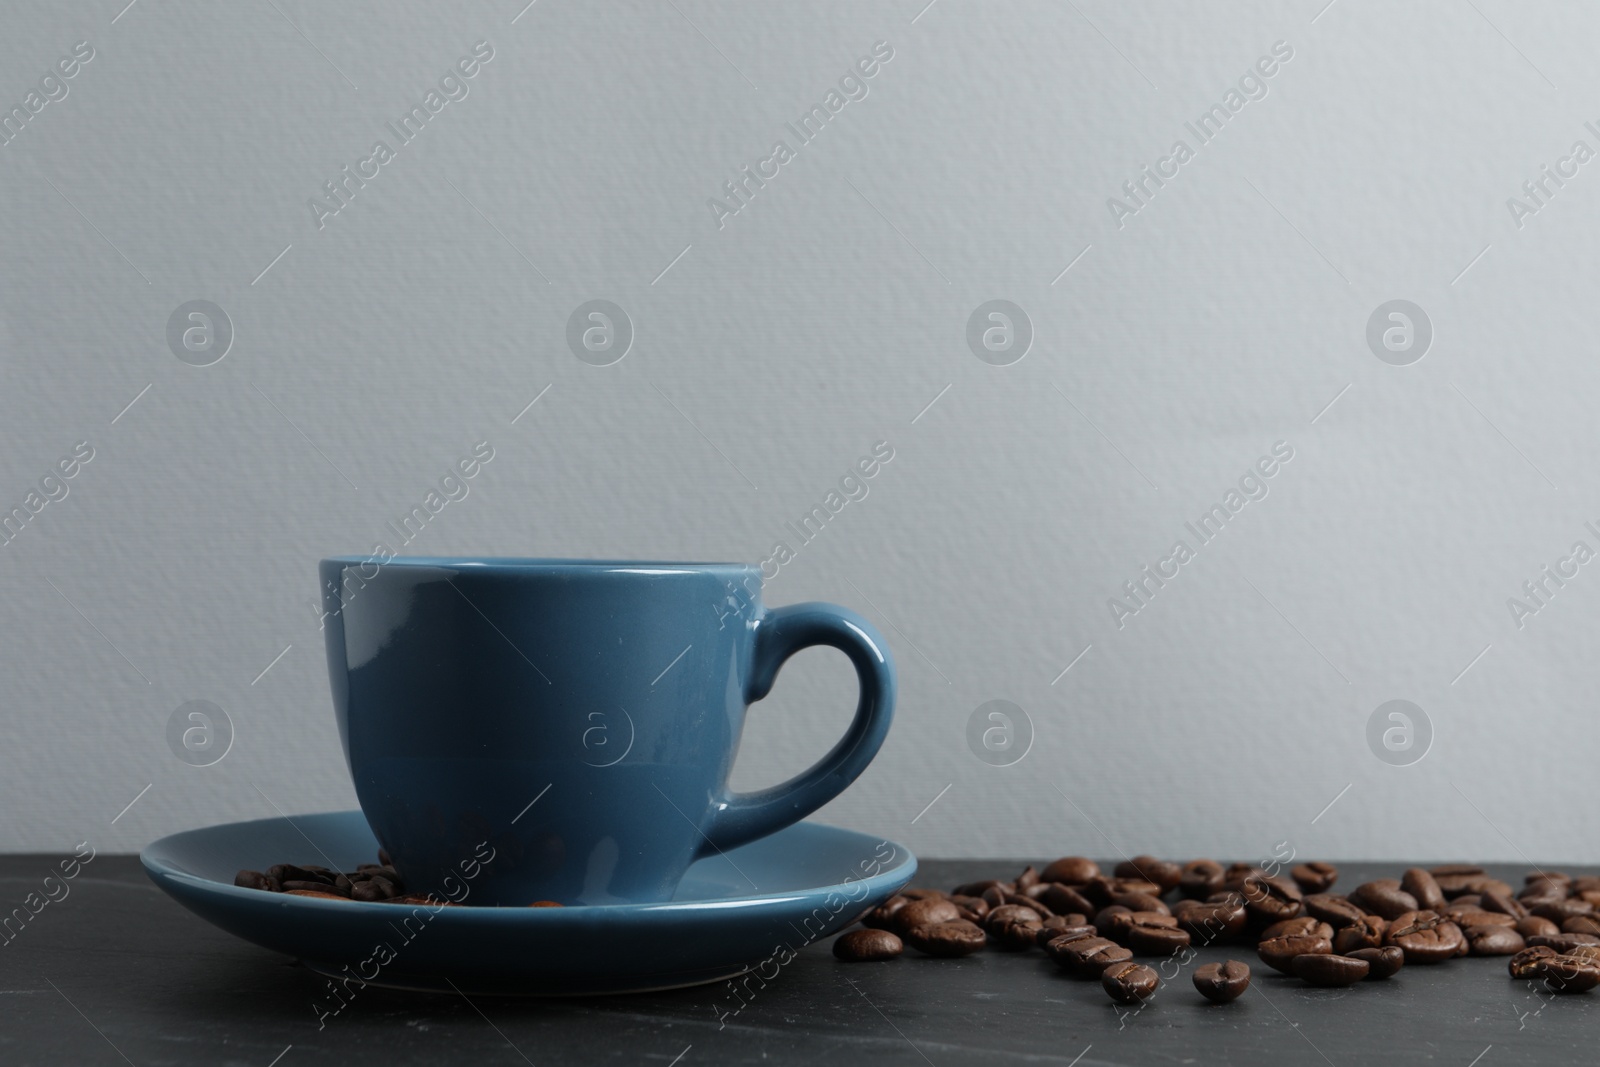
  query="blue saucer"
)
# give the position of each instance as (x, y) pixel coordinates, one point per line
(749, 909)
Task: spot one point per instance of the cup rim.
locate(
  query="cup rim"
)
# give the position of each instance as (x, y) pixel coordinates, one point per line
(537, 564)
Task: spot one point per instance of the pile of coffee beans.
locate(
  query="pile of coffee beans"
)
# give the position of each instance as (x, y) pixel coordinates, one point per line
(1092, 925)
(377, 883)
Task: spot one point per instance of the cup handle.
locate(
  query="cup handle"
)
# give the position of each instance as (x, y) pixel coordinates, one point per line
(779, 634)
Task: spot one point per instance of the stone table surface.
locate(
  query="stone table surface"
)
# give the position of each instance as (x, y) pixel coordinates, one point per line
(117, 973)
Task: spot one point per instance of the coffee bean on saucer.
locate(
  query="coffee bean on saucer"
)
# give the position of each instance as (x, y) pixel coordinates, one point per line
(1164, 874)
(547, 904)
(313, 893)
(1314, 877)
(422, 899)
(368, 891)
(1326, 969)
(1494, 941)
(1070, 870)
(1421, 885)
(1570, 974)
(1368, 932)
(950, 938)
(917, 913)
(257, 880)
(867, 946)
(1129, 983)
(1382, 962)
(1529, 962)
(319, 887)
(1222, 983)
(1279, 953)
(1200, 878)
(1383, 897)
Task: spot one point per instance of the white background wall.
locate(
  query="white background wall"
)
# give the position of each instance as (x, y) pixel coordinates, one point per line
(825, 316)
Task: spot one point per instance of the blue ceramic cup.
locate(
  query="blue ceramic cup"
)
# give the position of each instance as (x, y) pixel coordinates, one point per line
(530, 729)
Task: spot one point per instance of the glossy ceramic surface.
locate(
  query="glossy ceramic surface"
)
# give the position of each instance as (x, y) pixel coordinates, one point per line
(748, 910)
(576, 719)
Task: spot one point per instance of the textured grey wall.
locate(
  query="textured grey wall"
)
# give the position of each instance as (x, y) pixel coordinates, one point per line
(1175, 336)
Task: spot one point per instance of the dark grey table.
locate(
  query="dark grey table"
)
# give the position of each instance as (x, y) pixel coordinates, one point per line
(117, 973)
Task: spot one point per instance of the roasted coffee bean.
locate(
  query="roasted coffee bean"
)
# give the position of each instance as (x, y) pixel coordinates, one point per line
(1368, 933)
(924, 894)
(1570, 974)
(383, 858)
(867, 946)
(1505, 904)
(422, 899)
(1152, 940)
(1164, 874)
(1421, 885)
(1314, 877)
(1563, 942)
(1588, 952)
(1070, 870)
(318, 893)
(1016, 937)
(1479, 917)
(1451, 870)
(1206, 922)
(1222, 983)
(1058, 944)
(950, 938)
(976, 889)
(1087, 957)
(1022, 900)
(1528, 962)
(1326, 969)
(1064, 900)
(1129, 983)
(368, 890)
(1494, 941)
(1279, 953)
(882, 917)
(288, 872)
(1238, 873)
(1271, 900)
(316, 887)
(1383, 897)
(1534, 926)
(1426, 937)
(547, 904)
(917, 913)
(1027, 879)
(1535, 893)
(257, 880)
(1116, 887)
(1200, 878)
(1008, 915)
(1300, 926)
(973, 909)
(1382, 962)
(1455, 885)
(1562, 910)
(1048, 933)
(1120, 923)
(1336, 911)
(1141, 902)
(1104, 918)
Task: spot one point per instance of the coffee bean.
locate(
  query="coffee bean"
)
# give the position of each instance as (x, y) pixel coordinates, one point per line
(318, 893)
(924, 894)
(1279, 953)
(882, 917)
(1022, 900)
(1048, 933)
(546, 904)
(316, 887)
(1164, 874)
(1271, 899)
(1222, 983)
(917, 913)
(257, 880)
(383, 858)
(1104, 918)
(1087, 957)
(1505, 904)
(1141, 902)
(973, 909)
(1007, 915)
(1206, 922)
(1449, 869)
(1529, 962)
(1369, 932)
(1027, 879)
(1070, 870)
(976, 889)
(1426, 937)
(1570, 974)
(1301, 926)
(1064, 900)
(1383, 962)
(1336, 911)
(1056, 946)
(1017, 937)
(1588, 952)
(1534, 926)
(1314, 877)
(1383, 897)
(1562, 910)
(1200, 878)
(368, 891)
(1421, 885)
(948, 939)
(867, 946)
(1563, 942)
(1494, 941)
(1479, 917)
(1152, 940)
(1129, 983)
(1121, 922)
(1326, 969)
(1544, 892)
(1455, 885)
